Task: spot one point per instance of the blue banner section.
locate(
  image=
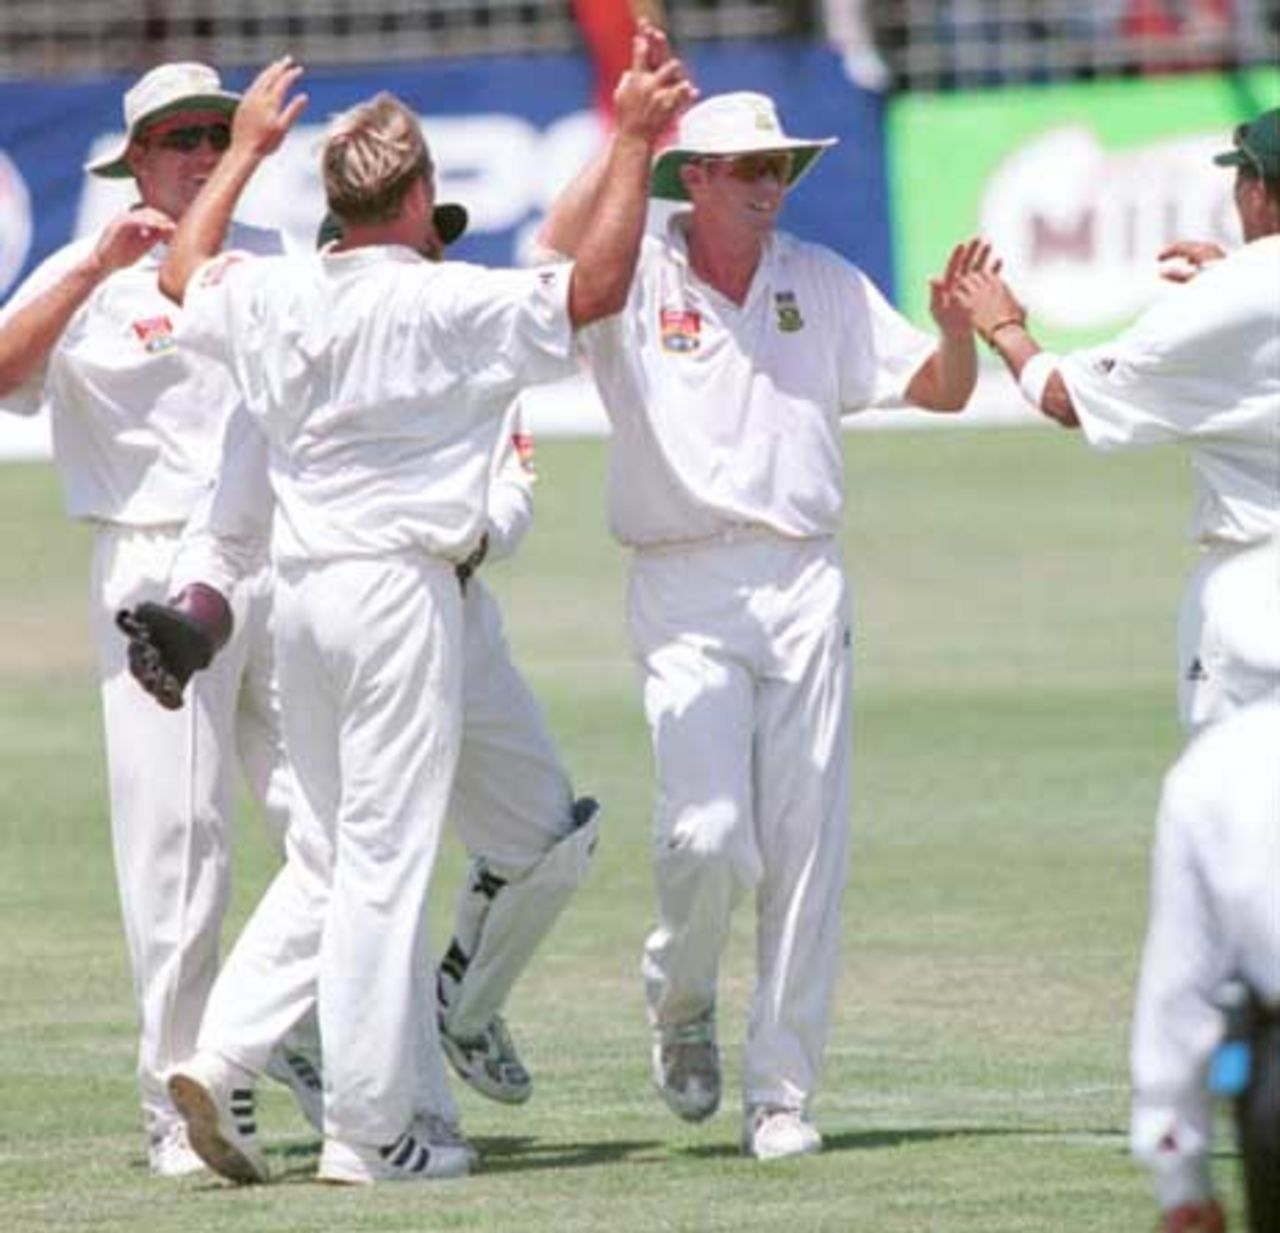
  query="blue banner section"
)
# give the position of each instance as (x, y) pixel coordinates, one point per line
(506, 132)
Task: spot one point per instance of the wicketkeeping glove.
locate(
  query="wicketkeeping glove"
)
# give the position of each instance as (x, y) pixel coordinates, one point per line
(1206, 1217)
(169, 642)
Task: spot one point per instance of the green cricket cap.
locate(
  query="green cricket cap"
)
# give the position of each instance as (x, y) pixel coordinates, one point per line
(1256, 145)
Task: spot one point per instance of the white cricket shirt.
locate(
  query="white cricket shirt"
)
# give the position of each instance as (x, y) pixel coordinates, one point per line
(136, 425)
(1202, 366)
(380, 381)
(1215, 913)
(725, 414)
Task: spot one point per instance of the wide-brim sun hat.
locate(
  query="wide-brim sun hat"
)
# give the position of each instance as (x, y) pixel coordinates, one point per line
(167, 89)
(727, 125)
(450, 220)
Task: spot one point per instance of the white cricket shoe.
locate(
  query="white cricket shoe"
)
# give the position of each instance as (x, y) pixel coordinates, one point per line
(413, 1157)
(446, 1131)
(215, 1098)
(169, 1154)
(297, 1072)
(489, 1062)
(776, 1134)
(686, 1068)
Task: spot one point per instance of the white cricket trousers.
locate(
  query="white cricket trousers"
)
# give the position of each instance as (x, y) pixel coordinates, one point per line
(512, 798)
(171, 781)
(1229, 633)
(370, 663)
(745, 649)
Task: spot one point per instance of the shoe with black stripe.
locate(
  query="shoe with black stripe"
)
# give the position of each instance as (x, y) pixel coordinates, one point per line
(215, 1098)
(299, 1074)
(414, 1157)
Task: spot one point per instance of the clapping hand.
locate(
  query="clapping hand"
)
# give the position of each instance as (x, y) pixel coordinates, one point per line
(952, 314)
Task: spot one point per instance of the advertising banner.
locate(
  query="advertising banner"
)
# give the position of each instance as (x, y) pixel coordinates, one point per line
(506, 133)
(1078, 186)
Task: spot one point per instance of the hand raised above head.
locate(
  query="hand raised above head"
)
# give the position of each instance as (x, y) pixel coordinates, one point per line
(266, 113)
(649, 98)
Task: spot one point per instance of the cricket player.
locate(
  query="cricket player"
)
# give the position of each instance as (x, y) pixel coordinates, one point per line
(136, 425)
(378, 381)
(512, 803)
(725, 380)
(1200, 367)
(1215, 918)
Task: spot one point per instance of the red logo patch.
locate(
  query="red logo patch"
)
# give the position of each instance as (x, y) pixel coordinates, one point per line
(680, 329)
(155, 334)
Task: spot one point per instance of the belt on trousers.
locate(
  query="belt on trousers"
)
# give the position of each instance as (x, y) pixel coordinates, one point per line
(729, 533)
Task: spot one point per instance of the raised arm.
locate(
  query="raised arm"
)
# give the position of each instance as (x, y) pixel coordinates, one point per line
(645, 102)
(1001, 322)
(261, 121)
(28, 336)
(946, 380)
(566, 222)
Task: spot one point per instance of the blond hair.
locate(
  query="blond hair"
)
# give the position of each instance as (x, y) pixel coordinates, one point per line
(372, 156)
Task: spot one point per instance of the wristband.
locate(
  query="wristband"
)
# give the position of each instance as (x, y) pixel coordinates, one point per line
(990, 336)
(1035, 376)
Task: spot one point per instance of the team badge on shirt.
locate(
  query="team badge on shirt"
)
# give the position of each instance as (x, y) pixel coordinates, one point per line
(789, 318)
(680, 329)
(155, 334)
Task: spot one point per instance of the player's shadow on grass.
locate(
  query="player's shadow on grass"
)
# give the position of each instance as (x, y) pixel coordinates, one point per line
(522, 1153)
(294, 1162)
(871, 1140)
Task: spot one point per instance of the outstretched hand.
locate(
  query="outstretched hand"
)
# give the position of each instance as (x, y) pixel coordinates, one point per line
(949, 311)
(654, 90)
(266, 113)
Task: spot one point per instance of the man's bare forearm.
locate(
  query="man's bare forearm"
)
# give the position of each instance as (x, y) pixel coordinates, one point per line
(203, 228)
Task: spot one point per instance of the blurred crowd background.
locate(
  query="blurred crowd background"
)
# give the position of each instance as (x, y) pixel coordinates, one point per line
(901, 45)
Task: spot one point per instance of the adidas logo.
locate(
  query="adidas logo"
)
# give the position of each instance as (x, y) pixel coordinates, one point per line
(1196, 672)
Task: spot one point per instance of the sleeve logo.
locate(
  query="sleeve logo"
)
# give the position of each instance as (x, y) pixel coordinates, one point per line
(522, 443)
(216, 270)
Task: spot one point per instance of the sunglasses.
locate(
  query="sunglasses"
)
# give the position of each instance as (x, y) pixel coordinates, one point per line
(190, 137)
(752, 167)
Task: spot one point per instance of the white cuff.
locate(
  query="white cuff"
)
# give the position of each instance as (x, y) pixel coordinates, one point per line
(1035, 375)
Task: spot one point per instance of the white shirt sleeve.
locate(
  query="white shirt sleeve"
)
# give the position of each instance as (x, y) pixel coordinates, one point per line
(208, 325)
(28, 398)
(515, 323)
(511, 488)
(1161, 379)
(883, 350)
(1176, 1026)
(228, 535)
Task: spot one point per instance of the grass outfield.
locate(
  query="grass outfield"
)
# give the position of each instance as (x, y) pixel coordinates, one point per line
(1015, 606)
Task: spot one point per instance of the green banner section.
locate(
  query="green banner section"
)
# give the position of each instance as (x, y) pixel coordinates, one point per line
(1078, 186)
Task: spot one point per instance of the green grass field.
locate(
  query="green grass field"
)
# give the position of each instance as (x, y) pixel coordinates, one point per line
(1015, 599)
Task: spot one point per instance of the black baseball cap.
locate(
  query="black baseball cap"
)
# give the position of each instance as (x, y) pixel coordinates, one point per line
(449, 217)
(1256, 146)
